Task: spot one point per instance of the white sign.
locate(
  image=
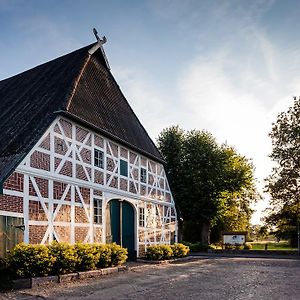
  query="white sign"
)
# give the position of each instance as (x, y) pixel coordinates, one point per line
(234, 239)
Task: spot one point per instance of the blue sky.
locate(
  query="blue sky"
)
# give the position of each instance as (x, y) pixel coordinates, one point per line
(225, 66)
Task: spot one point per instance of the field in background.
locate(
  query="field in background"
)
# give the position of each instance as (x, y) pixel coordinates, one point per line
(283, 245)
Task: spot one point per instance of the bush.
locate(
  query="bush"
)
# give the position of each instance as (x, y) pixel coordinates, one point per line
(159, 252)
(104, 255)
(167, 251)
(197, 247)
(247, 246)
(118, 254)
(65, 257)
(154, 253)
(238, 247)
(27, 260)
(87, 257)
(180, 250)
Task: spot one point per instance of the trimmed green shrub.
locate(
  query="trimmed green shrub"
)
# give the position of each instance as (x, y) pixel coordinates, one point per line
(118, 254)
(104, 255)
(87, 257)
(65, 257)
(154, 253)
(27, 260)
(228, 246)
(180, 250)
(247, 246)
(238, 247)
(197, 247)
(159, 252)
(167, 251)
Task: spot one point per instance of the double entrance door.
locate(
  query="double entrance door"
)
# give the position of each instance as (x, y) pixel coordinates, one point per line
(120, 226)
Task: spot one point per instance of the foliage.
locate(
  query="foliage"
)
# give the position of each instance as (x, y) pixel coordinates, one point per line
(180, 250)
(104, 252)
(258, 232)
(247, 246)
(233, 247)
(65, 257)
(87, 257)
(213, 185)
(118, 254)
(284, 182)
(164, 252)
(26, 260)
(154, 253)
(167, 251)
(197, 247)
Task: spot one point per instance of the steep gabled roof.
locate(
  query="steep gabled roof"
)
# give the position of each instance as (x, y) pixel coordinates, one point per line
(78, 85)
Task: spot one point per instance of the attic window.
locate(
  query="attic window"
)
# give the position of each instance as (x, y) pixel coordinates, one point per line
(123, 167)
(98, 158)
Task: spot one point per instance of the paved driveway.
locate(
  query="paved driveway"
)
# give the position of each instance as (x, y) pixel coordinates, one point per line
(205, 278)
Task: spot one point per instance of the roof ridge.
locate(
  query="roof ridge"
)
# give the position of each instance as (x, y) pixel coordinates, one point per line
(47, 62)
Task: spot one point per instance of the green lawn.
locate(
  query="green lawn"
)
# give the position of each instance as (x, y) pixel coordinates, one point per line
(271, 246)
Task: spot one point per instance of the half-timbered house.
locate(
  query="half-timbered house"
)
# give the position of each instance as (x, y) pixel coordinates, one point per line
(76, 164)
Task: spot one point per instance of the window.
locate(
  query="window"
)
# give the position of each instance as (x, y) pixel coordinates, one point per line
(123, 167)
(143, 175)
(142, 217)
(97, 211)
(98, 158)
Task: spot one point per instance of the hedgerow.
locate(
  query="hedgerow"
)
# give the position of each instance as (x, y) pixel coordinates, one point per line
(164, 252)
(27, 260)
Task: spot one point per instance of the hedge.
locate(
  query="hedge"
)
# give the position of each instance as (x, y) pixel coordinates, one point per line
(197, 247)
(163, 252)
(27, 260)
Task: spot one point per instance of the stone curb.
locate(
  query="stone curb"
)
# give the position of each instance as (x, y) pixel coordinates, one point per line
(28, 283)
(167, 261)
(68, 277)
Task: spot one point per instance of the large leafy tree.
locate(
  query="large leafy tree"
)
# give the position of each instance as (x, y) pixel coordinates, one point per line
(284, 182)
(213, 185)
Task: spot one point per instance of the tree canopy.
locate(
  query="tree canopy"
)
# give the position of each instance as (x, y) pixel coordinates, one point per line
(212, 184)
(284, 182)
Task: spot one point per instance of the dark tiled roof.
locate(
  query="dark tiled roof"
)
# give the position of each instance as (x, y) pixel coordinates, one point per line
(78, 85)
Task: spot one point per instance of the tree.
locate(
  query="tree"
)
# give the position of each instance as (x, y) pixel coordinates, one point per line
(284, 182)
(210, 183)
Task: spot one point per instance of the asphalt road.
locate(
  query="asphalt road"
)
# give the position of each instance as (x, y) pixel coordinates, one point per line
(205, 278)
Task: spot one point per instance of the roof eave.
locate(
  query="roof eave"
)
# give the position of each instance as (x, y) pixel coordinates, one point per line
(108, 135)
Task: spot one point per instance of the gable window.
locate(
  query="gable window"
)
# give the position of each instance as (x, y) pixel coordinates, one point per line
(123, 167)
(98, 158)
(97, 211)
(141, 216)
(143, 175)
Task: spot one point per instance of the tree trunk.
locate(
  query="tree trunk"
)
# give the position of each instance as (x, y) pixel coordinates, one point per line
(205, 233)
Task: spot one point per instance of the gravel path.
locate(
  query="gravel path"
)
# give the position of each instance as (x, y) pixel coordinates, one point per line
(205, 278)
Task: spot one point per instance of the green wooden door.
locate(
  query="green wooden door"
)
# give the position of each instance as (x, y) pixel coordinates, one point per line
(11, 233)
(120, 226)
